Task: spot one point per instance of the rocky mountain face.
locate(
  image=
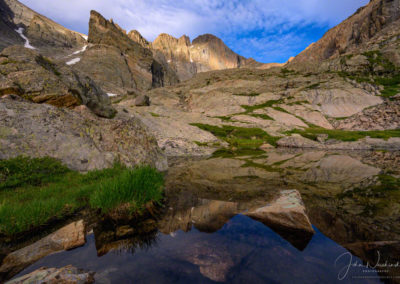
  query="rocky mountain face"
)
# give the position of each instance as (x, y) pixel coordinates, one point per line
(8, 35)
(206, 52)
(360, 31)
(119, 64)
(42, 33)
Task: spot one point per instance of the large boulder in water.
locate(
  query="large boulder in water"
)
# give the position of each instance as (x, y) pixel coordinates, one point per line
(287, 216)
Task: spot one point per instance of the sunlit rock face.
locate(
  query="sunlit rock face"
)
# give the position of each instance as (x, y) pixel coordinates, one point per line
(206, 52)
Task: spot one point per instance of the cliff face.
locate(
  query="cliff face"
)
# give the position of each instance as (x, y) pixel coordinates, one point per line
(206, 53)
(118, 63)
(354, 33)
(45, 35)
(211, 53)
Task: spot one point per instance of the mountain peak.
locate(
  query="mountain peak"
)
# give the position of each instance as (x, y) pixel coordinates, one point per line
(206, 38)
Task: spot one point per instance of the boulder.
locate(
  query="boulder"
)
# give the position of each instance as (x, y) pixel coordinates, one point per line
(64, 275)
(287, 216)
(81, 140)
(68, 237)
(142, 100)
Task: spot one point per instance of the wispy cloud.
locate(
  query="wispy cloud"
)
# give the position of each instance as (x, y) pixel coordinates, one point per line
(268, 30)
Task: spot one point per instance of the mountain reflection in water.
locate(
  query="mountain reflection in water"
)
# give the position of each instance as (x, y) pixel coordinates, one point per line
(203, 237)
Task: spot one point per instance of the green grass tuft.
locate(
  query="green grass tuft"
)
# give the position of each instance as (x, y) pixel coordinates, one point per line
(135, 186)
(252, 94)
(269, 103)
(239, 136)
(24, 171)
(44, 194)
(263, 116)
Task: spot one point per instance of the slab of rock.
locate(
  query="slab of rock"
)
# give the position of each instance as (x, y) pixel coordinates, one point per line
(81, 140)
(286, 216)
(68, 237)
(64, 275)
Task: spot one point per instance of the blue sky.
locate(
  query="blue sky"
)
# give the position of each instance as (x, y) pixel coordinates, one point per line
(267, 30)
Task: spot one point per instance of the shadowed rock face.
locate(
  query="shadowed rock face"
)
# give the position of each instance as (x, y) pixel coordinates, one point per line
(354, 32)
(26, 73)
(118, 63)
(8, 35)
(47, 36)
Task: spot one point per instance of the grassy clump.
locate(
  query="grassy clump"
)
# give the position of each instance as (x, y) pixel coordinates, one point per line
(154, 114)
(29, 204)
(263, 116)
(269, 103)
(229, 153)
(386, 183)
(280, 109)
(299, 103)
(391, 85)
(252, 94)
(23, 171)
(343, 135)
(375, 57)
(225, 118)
(239, 136)
(137, 187)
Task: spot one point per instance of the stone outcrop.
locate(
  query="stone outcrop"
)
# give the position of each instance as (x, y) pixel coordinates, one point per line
(68, 237)
(78, 138)
(354, 33)
(118, 63)
(286, 214)
(64, 275)
(26, 73)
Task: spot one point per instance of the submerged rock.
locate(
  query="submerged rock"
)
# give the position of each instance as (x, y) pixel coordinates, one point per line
(68, 237)
(64, 275)
(287, 216)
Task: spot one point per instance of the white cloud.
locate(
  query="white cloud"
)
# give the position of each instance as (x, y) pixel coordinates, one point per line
(227, 19)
